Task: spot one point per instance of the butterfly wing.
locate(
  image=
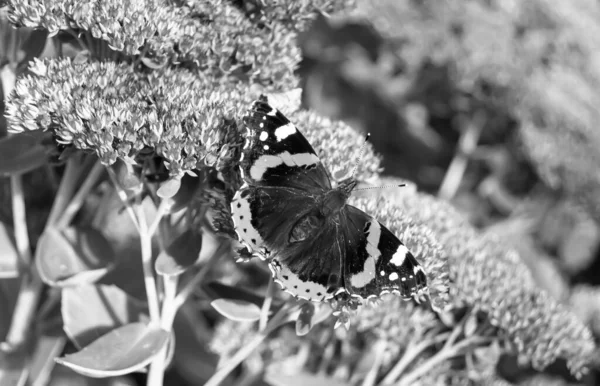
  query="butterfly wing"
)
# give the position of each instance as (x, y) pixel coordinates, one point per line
(277, 154)
(375, 260)
(284, 224)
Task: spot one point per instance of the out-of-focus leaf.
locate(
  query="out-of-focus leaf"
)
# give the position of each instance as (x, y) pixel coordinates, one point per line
(22, 152)
(127, 178)
(9, 257)
(121, 351)
(93, 246)
(181, 254)
(304, 322)
(216, 290)
(277, 378)
(90, 311)
(237, 310)
(193, 359)
(60, 264)
(169, 188)
(187, 190)
(13, 367)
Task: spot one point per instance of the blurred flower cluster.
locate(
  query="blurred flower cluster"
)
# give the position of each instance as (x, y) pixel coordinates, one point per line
(250, 40)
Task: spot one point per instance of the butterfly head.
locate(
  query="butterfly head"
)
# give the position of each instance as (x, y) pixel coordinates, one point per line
(336, 198)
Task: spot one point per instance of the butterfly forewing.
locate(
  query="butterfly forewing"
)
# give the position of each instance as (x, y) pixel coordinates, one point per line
(376, 261)
(277, 154)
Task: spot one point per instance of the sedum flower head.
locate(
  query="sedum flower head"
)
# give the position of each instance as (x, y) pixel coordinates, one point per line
(217, 36)
(338, 145)
(117, 112)
(489, 275)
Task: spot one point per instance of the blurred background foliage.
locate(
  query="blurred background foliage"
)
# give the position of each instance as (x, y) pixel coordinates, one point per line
(489, 105)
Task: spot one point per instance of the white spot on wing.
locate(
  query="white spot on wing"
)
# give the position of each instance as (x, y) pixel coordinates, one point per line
(272, 112)
(242, 221)
(367, 274)
(394, 276)
(268, 161)
(399, 256)
(263, 136)
(285, 131)
(266, 147)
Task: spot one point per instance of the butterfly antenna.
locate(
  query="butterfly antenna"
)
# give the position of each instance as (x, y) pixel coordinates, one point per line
(380, 187)
(360, 155)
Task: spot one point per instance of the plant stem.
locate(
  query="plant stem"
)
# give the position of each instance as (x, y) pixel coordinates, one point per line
(77, 201)
(189, 287)
(411, 353)
(123, 196)
(157, 367)
(65, 190)
(160, 212)
(371, 376)
(458, 166)
(20, 221)
(442, 355)
(266, 307)
(149, 280)
(31, 284)
(227, 367)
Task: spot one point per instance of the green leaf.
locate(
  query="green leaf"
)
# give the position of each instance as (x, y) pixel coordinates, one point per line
(187, 191)
(89, 311)
(60, 263)
(22, 152)
(216, 290)
(304, 322)
(9, 257)
(237, 310)
(169, 188)
(181, 254)
(122, 351)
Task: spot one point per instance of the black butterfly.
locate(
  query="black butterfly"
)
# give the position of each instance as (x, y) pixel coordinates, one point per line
(288, 212)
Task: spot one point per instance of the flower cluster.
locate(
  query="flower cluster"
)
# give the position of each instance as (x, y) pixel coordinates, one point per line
(116, 112)
(490, 276)
(214, 35)
(338, 145)
(537, 59)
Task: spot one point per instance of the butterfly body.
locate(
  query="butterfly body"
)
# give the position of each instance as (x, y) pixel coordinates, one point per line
(289, 213)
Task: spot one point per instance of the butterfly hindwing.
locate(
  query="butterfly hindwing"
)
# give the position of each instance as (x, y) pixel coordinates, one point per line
(376, 261)
(283, 224)
(277, 154)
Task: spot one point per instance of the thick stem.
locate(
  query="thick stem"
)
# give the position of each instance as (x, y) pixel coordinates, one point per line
(157, 367)
(149, 280)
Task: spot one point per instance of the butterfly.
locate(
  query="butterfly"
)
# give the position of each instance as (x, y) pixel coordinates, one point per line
(288, 212)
